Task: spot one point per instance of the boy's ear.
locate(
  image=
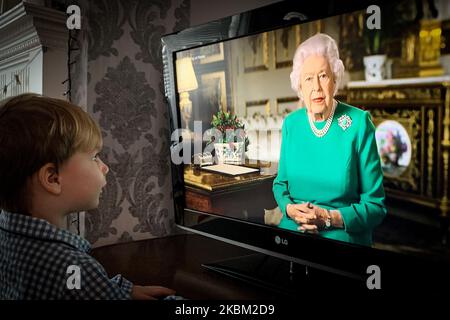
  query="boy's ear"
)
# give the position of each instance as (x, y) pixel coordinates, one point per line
(48, 177)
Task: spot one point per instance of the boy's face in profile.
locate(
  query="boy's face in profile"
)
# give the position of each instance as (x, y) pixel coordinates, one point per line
(82, 178)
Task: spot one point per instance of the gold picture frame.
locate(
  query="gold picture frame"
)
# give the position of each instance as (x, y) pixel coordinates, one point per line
(256, 53)
(410, 178)
(211, 53)
(216, 89)
(286, 42)
(286, 104)
(259, 106)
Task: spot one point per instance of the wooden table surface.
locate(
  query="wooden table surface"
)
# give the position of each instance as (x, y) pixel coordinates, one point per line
(175, 262)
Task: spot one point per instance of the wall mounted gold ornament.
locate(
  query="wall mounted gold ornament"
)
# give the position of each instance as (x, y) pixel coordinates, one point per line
(421, 51)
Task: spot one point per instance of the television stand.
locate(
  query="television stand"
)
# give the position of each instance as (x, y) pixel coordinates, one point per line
(283, 277)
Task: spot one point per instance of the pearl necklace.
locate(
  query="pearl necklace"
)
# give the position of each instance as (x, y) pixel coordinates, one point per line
(320, 133)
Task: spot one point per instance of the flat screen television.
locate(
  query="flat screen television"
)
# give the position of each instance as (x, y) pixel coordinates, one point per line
(240, 66)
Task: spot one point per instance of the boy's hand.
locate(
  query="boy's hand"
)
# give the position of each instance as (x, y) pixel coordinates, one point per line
(150, 292)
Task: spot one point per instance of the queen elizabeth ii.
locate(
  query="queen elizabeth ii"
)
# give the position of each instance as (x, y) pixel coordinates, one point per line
(329, 179)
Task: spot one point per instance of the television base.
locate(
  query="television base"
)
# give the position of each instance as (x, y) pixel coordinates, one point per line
(278, 275)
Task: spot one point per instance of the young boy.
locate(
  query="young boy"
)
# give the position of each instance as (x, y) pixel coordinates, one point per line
(49, 167)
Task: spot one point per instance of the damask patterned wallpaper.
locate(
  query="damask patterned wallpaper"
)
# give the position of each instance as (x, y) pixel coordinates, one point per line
(118, 78)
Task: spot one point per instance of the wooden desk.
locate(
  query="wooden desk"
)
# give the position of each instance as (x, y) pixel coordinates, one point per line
(223, 194)
(175, 262)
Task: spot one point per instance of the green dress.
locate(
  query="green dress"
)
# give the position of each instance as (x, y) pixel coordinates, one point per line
(340, 171)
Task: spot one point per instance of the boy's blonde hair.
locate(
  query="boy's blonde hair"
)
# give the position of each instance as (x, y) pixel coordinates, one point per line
(36, 130)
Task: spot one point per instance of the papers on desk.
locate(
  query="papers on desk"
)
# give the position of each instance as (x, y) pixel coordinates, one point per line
(229, 169)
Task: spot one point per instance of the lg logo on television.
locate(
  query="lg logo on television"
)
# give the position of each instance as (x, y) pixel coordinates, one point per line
(279, 240)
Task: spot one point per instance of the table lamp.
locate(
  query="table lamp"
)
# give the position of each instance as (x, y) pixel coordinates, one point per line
(186, 82)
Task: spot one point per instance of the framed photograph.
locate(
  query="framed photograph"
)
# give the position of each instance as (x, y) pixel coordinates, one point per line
(394, 147)
(398, 134)
(204, 55)
(256, 53)
(261, 107)
(286, 42)
(211, 53)
(352, 43)
(215, 90)
(287, 104)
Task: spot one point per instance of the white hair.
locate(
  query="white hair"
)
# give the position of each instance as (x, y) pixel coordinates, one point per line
(323, 45)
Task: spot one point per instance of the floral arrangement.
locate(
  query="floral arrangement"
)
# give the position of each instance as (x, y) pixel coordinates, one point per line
(392, 149)
(223, 121)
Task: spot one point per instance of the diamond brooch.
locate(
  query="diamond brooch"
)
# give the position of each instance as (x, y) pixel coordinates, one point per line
(344, 122)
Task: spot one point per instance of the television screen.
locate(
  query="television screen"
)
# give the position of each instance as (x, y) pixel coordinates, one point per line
(379, 164)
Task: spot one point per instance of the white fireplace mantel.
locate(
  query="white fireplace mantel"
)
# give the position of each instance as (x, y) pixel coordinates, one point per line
(33, 44)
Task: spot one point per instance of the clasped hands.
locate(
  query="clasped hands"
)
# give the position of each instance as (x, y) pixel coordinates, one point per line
(311, 218)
